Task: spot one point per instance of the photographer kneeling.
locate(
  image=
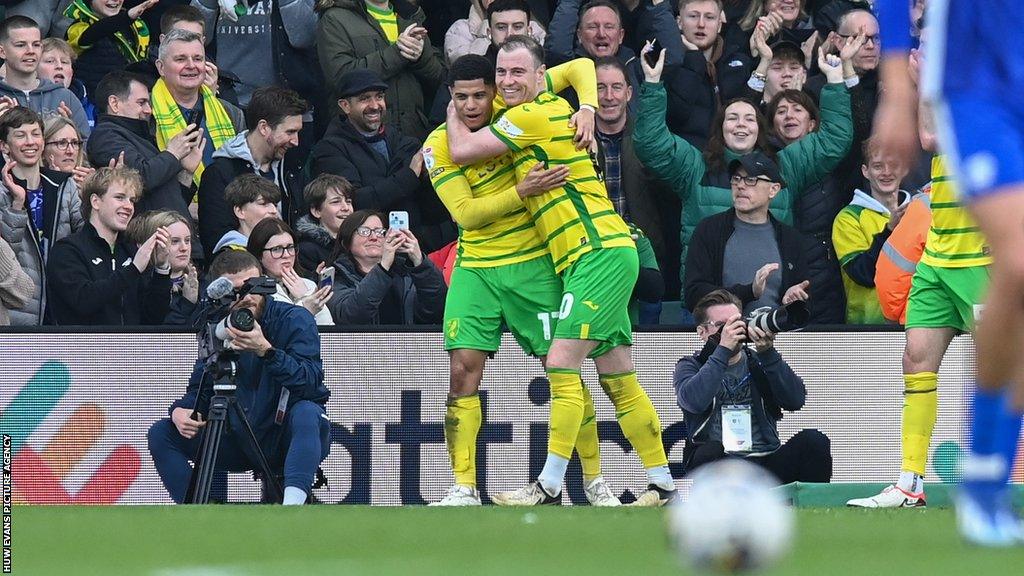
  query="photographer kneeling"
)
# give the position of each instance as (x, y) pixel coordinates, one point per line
(281, 387)
(732, 398)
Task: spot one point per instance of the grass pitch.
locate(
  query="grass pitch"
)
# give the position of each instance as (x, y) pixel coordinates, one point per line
(258, 540)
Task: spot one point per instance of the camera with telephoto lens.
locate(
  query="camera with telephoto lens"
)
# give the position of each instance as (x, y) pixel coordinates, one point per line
(240, 319)
(218, 313)
(792, 316)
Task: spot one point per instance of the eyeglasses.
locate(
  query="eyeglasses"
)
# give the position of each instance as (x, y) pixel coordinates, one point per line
(748, 180)
(875, 39)
(65, 144)
(280, 251)
(365, 231)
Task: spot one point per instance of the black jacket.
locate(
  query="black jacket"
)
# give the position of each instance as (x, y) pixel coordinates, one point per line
(115, 134)
(814, 212)
(230, 161)
(314, 243)
(694, 97)
(384, 184)
(357, 299)
(102, 55)
(91, 285)
(705, 259)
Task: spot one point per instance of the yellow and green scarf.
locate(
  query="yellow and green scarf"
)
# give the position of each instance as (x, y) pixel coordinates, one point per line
(134, 49)
(169, 120)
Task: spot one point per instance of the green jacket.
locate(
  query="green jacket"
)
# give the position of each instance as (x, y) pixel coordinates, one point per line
(348, 38)
(682, 166)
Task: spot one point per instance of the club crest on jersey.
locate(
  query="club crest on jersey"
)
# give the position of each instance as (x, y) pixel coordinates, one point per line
(506, 126)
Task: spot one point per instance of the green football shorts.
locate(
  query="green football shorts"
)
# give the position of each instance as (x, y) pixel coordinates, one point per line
(523, 296)
(945, 297)
(595, 300)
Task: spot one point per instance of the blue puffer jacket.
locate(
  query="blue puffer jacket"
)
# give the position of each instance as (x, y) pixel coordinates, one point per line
(296, 365)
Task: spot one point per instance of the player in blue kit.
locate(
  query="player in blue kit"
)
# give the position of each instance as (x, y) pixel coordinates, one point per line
(973, 76)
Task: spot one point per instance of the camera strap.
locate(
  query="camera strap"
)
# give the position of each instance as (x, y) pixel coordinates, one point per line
(764, 388)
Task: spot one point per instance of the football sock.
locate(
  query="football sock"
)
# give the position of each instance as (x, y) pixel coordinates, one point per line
(920, 407)
(588, 446)
(661, 476)
(637, 417)
(910, 482)
(461, 425)
(553, 473)
(294, 496)
(995, 428)
(566, 410)
(564, 425)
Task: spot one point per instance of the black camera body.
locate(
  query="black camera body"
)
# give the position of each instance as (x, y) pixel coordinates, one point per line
(792, 316)
(218, 316)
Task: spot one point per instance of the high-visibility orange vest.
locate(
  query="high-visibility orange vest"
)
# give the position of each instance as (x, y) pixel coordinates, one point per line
(899, 257)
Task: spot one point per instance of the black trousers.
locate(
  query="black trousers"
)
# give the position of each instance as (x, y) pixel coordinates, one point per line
(806, 457)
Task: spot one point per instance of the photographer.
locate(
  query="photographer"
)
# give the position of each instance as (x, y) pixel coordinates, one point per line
(732, 398)
(279, 366)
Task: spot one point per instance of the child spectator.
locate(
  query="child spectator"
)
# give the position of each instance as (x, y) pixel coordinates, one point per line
(57, 64)
(329, 198)
(862, 228)
(105, 37)
(252, 198)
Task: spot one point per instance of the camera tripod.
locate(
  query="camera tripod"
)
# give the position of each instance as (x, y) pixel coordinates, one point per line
(222, 403)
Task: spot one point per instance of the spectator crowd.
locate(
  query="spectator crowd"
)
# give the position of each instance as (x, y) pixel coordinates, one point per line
(142, 138)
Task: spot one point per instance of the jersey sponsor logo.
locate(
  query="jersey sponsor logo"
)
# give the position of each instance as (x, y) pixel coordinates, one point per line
(485, 170)
(506, 126)
(590, 304)
(97, 261)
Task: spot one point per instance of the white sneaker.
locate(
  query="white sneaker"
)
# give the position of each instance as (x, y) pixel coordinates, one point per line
(530, 495)
(599, 493)
(891, 497)
(459, 495)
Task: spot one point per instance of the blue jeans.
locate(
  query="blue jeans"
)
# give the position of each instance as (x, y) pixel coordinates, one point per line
(303, 443)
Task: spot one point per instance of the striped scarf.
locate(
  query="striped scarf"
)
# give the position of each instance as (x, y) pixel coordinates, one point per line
(169, 120)
(133, 49)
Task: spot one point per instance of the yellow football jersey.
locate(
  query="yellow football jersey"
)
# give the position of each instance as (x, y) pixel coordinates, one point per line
(578, 217)
(954, 240)
(509, 239)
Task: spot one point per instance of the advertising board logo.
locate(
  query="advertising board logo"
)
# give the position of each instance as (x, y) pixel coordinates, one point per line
(40, 472)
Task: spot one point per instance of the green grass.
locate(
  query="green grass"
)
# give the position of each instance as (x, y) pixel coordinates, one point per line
(208, 540)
